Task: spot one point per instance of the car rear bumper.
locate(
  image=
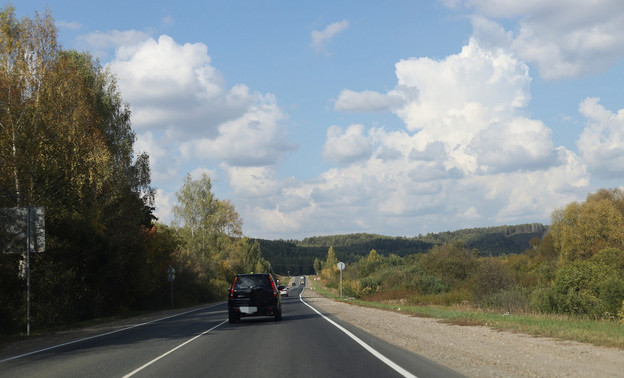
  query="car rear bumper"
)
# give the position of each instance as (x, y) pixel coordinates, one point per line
(249, 310)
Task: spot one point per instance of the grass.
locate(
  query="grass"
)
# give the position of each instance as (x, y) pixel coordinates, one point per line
(597, 332)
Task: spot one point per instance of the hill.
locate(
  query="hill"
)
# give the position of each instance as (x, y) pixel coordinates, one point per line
(297, 257)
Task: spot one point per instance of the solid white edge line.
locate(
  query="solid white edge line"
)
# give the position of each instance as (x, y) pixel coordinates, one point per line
(171, 351)
(370, 349)
(102, 334)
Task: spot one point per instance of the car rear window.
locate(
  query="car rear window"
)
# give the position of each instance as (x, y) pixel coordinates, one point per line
(251, 281)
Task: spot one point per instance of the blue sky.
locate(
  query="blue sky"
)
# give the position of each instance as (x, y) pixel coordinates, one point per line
(396, 117)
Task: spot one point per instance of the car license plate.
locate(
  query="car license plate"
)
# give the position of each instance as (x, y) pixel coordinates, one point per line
(248, 309)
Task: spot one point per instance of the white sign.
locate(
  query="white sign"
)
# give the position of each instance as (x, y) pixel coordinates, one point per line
(341, 265)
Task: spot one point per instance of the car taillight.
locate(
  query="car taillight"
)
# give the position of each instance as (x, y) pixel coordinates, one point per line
(275, 292)
(232, 288)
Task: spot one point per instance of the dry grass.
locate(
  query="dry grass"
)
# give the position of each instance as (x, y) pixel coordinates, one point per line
(608, 333)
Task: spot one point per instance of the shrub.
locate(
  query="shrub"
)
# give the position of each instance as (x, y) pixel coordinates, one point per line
(584, 288)
(489, 278)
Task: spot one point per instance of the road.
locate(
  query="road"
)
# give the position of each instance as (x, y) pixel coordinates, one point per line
(200, 343)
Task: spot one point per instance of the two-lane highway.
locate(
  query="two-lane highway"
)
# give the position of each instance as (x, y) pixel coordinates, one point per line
(201, 343)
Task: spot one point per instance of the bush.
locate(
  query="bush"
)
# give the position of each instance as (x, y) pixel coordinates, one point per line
(583, 288)
(490, 278)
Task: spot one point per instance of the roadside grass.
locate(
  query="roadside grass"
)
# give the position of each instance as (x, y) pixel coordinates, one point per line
(608, 333)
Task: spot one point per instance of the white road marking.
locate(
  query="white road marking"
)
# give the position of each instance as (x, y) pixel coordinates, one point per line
(172, 350)
(103, 334)
(370, 349)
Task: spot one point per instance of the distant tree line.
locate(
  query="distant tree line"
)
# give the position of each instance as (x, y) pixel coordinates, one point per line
(298, 256)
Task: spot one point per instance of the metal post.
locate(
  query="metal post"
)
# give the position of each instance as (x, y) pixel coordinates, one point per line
(172, 294)
(28, 218)
(340, 267)
(171, 278)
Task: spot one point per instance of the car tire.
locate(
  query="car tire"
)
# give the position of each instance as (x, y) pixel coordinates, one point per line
(233, 317)
(278, 315)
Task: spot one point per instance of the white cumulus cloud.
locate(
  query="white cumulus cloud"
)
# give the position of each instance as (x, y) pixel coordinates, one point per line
(348, 146)
(186, 117)
(562, 38)
(601, 144)
(467, 154)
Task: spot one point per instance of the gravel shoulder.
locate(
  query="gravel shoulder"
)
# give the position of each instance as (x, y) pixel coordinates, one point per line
(477, 351)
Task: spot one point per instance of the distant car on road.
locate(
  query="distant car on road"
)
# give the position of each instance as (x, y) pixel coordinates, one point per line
(283, 290)
(254, 295)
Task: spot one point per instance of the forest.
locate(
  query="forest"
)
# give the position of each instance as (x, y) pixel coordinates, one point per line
(297, 257)
(67, 146)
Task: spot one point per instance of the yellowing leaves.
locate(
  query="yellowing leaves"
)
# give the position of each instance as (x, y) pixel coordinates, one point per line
(580, 230)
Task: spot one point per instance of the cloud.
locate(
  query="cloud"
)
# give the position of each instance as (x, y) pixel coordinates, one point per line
(186, 117)
(164, 202)
(71, 25)
(467, 155)
(256, 138)
(174, 86)
(460, 98)
(348, 147)
(168, 20)
(253, 182)
(601, 144)
(561, 39)
(322, 37)
(367, 101)
(100, 43)
(518, 144)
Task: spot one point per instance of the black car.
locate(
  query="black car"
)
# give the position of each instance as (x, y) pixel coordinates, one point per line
(254, 295)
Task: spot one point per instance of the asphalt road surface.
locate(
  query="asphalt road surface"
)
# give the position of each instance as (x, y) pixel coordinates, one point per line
(201, 343)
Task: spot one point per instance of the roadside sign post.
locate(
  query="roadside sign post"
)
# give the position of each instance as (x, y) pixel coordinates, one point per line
(22, 230)
(171, 278)
(341, 266)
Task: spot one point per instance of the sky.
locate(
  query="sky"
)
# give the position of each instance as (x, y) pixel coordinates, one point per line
(397, 118)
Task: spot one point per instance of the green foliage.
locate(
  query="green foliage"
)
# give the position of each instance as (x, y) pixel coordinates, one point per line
(494, 241)
(580, 230)
(489, 279)
(584, 288)
(331, 261)
(370, 264)
(452, 263)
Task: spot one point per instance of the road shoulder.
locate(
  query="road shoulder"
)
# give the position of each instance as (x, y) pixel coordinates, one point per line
(477, 351)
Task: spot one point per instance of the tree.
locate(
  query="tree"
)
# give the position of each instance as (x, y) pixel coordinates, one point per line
(66, 143)
(211, 229)
(28, 49)
(252, 255)
(332, 261)
(202, 214)
(369, 264)
(580, 230)
(451, 262)
(318, 265)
